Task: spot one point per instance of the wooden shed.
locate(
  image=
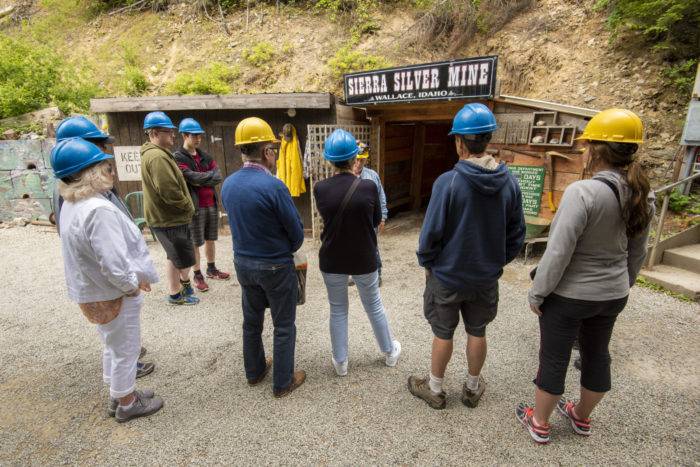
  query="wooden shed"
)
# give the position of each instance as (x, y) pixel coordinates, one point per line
(219, 116)
(410, 146)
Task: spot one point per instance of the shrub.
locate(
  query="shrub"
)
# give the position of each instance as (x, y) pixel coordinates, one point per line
(682, 75)
(215, 78)
(678, 202)
(347, 60)
(360, 13)
(456, 22)
(135, 82)
(671, 25)
(32, 77)
(260, 54)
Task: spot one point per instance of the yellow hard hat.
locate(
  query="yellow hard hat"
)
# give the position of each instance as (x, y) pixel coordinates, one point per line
(615, 126)
(254, 130)
(364, 151)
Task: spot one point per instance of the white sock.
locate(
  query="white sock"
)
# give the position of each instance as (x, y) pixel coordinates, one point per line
(472, 382)
(435, 384)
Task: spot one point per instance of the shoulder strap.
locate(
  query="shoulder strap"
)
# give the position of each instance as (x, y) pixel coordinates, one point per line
(613, 187)
(339, 215)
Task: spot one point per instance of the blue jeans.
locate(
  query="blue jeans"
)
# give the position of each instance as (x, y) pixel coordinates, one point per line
(275, 286)
(368, 288)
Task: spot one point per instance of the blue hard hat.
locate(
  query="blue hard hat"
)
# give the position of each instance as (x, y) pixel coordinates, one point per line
(474, 119)
(158, 120)
(72, 155)
(191, 126)
(340, 146)
(81, 127)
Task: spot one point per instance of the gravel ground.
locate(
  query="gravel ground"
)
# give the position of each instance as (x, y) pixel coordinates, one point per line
(52, 399)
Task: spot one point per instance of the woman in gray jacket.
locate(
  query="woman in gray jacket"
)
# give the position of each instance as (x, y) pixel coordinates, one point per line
(107, 265)
(596, 247)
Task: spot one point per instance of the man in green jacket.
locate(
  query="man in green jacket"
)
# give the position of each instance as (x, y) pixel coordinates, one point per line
(168, 206)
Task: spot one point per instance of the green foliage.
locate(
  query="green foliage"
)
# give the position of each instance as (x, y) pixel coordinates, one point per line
(360, 14)
(678, 202)
(33, 77)
(671, 25)
(134, 81)
(347, 60)
(215, 78)
(260, 54)
(682, 75)
(643, 282)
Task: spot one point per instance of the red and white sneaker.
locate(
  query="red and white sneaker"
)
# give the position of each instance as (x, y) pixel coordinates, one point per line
(539, 433)
(581, 426)
(199, 282)
(218, 275)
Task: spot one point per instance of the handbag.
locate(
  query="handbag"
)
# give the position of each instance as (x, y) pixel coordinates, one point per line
(300, 267)
(101, 312)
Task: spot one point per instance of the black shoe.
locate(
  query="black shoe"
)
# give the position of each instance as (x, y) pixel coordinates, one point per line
(144, 368)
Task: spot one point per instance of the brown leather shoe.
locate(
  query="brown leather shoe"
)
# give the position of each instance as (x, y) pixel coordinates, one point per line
(259, 379)
(298, 379)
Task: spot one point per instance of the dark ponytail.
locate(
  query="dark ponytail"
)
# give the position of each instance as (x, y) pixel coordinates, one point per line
(636, 213)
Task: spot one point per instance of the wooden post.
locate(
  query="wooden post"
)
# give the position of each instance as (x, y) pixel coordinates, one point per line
(417, 165)
(381, 138)
(659, 229)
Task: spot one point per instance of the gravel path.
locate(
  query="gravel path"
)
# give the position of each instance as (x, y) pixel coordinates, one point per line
(52, 400)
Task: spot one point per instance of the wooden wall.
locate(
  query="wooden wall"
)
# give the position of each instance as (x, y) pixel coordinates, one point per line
(415, 148)
(219, 126)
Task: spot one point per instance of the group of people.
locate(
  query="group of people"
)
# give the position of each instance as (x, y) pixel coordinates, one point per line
(473, 227)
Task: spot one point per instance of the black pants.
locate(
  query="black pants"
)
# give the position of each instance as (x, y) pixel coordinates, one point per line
(562, 321)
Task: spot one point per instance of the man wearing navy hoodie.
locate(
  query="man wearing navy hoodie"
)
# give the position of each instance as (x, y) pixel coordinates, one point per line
(473, 227)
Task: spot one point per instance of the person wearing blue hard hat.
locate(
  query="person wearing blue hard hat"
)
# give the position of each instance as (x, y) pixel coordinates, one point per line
(474, 225)
(351, 212)
(107, 267)
(202, 175)
(82, 127)
(167, 206)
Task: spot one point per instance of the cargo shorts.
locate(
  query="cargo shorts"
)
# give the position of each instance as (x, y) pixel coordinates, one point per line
(442, 306)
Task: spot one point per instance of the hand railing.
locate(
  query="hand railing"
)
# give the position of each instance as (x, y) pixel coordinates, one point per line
(666, 190)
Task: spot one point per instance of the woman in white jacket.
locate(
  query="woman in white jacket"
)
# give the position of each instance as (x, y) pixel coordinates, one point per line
(107, 265)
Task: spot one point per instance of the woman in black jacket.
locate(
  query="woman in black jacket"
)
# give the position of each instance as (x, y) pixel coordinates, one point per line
(351, 212)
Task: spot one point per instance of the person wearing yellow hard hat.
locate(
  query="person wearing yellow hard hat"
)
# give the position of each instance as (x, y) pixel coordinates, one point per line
(361, 170)
(266, 231)
(597, 245)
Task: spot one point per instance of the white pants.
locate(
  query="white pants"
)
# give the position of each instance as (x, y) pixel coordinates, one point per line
(122, 344)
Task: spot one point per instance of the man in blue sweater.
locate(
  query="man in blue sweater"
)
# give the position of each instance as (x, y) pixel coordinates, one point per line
(266, 231)
(473, 227)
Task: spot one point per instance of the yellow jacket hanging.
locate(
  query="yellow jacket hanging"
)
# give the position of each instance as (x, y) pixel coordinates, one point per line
(289, 168)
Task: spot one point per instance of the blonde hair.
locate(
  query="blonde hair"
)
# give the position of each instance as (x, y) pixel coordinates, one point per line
(87, 183)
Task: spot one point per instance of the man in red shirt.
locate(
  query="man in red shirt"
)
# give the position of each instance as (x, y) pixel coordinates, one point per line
(202, 175)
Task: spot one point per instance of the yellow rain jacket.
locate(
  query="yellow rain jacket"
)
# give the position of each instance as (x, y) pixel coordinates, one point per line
(289, 168)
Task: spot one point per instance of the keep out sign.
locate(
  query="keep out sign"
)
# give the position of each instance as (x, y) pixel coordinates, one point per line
(128, 160)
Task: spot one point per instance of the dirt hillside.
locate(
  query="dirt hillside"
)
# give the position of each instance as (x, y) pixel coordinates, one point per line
(558, 50)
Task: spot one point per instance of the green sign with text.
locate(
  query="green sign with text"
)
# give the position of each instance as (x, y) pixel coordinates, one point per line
(531, 181)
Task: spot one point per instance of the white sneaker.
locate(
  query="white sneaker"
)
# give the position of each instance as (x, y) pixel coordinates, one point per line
(393, 358)
(341, 369)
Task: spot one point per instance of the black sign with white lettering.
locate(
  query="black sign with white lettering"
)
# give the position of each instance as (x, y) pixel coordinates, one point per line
(468, 78)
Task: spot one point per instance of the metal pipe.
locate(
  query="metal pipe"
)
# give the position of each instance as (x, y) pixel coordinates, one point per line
(675, 184)
(659, 228)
